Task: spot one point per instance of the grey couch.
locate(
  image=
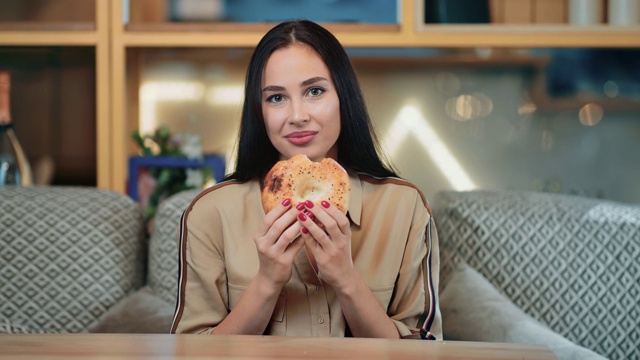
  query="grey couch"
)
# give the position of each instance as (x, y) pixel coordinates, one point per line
(67, 255)
(515, 267)
(77, 260)
(542, 268)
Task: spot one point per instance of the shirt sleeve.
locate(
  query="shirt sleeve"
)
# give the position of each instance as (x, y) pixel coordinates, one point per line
(414, 306)
(202, 301)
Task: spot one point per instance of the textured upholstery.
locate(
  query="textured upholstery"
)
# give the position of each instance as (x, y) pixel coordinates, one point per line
(163, 246)
(66, 255)
(569, 262)
(474, 310)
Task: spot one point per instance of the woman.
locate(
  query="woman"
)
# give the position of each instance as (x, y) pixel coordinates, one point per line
(370, 273)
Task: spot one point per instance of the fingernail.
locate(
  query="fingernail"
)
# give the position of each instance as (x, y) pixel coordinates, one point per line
(310, 215)
(325, 204)
(304, 230)
(308, 204)
(286, 202)
(302, 217)
(300, 206)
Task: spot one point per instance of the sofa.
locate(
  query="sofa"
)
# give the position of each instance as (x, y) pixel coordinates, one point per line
(66, 256)
(529, 267)
(516, 267)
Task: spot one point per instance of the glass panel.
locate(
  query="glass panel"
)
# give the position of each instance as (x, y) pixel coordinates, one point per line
(600, 73)
(257, 11)
(468, 125)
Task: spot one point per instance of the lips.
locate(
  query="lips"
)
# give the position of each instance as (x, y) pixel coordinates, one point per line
(301, 137)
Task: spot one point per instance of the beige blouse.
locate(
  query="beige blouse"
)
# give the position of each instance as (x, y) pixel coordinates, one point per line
(394, 246)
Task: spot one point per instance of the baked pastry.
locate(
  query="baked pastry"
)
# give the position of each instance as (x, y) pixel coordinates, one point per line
(301, 179)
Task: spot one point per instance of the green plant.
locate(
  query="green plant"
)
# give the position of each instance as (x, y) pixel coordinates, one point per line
(170, 180)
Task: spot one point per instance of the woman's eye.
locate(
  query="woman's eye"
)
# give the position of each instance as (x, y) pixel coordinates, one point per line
(275, 98)
(316, 91)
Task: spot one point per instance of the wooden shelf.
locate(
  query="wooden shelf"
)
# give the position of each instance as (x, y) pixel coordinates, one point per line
(533, 35)
(88, 25)
(47, 26)
(48, 38)
(31, 33)
(260, 28)
(410, 32)
(238, 35)
(369, 35)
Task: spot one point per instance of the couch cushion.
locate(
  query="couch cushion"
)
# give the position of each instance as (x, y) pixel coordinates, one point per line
(140, 313)
(473, 310)
(163, 246)
(569, 262)
(67, 255)
(9, 327)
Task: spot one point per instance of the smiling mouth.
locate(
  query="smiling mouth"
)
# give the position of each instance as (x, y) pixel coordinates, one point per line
(302, 137)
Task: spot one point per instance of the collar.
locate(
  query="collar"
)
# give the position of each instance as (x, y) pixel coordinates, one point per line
(355, 197)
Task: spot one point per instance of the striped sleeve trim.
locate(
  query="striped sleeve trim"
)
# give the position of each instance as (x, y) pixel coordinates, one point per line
(426, 321)
(182, 273)
(182, 259)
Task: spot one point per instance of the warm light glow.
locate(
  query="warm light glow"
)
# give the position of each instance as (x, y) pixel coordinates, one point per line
(153, 92)
(591, 114)
(527, 108)
(226, 95)
(469, 107)
(410, 121)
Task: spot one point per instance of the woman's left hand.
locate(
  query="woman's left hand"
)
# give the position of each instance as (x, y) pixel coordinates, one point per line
(330, 246)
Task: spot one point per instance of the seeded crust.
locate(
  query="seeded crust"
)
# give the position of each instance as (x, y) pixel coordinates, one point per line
(301, 179)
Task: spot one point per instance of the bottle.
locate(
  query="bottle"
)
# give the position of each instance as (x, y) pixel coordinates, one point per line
(624, 12)
(14, 167)
(586, 12)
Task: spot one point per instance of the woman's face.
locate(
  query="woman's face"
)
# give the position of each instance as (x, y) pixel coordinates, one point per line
(300, 104)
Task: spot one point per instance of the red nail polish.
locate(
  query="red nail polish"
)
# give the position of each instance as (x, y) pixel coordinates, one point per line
(286, 202)
(300, 206)
(302, 217)
(310, 215)
(325, 204)
(304, 230)
(308, 204)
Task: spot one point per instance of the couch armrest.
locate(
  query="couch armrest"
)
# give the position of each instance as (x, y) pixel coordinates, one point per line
(473, 310)
(142, 312)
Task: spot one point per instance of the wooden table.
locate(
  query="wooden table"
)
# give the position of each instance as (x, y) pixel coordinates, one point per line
(160, 346)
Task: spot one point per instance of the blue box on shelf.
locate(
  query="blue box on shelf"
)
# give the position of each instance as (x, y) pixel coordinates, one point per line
(215, 162)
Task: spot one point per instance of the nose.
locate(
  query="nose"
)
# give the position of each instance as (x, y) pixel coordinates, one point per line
(299, 114)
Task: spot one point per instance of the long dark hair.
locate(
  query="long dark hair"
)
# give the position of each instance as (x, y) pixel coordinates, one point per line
(358, 147)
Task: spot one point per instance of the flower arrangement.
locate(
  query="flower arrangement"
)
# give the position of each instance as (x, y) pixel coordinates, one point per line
(166, 181)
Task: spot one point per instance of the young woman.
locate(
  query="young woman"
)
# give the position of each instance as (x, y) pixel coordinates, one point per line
(370, 273)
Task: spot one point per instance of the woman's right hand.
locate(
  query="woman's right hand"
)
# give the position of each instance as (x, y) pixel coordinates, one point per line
(278, 241)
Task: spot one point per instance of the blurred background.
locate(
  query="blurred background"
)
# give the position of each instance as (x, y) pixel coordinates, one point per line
(444, 124)
(562, 119)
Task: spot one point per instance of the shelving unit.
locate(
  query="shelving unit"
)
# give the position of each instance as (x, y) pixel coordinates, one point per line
(73, 34)
(410, 32)
(118, 47)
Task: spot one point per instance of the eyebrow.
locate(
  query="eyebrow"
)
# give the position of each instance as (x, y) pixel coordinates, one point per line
(312, 81)
(307, 82)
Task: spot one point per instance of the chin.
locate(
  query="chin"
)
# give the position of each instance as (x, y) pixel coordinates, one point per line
(312, 155)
